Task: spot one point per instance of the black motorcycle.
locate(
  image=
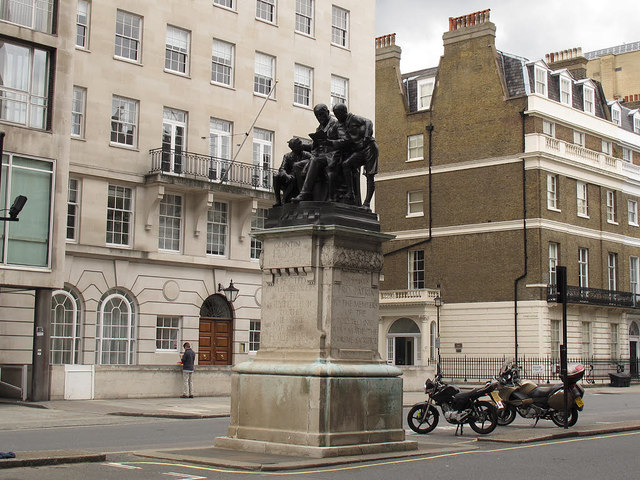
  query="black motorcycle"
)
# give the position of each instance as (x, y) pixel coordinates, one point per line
(458, 407)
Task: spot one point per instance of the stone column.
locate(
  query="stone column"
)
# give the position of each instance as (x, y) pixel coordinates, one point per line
(318, 387)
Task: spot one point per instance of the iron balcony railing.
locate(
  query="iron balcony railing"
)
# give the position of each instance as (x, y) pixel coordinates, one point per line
(596, 296)
(210, 169)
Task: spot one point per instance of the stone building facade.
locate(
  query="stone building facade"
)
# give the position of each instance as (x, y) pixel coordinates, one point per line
(493, 171)
(162, 127)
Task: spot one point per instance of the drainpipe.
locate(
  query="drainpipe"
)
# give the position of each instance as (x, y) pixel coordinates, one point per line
(429, 129)
(524, 237)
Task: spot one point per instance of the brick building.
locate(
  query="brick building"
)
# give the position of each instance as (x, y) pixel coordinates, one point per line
(493, 171)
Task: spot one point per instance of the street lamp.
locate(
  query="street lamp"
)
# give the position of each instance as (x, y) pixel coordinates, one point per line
(438, 303)
(230, 293)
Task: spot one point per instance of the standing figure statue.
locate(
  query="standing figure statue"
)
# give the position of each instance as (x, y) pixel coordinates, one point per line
(358, 149)
(290, 177)
(322, 166)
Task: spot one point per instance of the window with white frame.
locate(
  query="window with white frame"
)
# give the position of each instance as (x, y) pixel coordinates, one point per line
(78, 104)
(304, 16)
(589, 99)
(33, 14)
(634, 275)
(266, 10)
(176, 54)
(607, 147)
(128, 36)
(339, 26)
(632, 209)
(73, 209)
(583, 267)
(540, 80)
(65, 328)
(554, 249)
(119, 215)
(254, 335)
(217, 228)
(636, 122)
(614, 351)
(552, 191)
(230, 4)
(170, 223)
(124, 121)
(579, 138)
(257, 223)
(415, 203)
(425, 92)
(167, 333)
(174, 139)
(302, 85)
(627, 155)
(586, 339)
(616, 115)
(339, 90)
(611, 206)
(565, 90)
(262, 158)
(415, 147)
(116, 329)
(82, 24)
(24, 84)
(555, 339)
(222, 58)
(220, 136)
(612, 267)
(581, 195)
(263, 73)
(416, 270)
(549, 128)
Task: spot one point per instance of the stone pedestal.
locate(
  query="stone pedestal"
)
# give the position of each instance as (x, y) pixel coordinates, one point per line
(317, 386)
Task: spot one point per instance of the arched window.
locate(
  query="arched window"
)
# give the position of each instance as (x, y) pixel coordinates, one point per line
(65, 327)
(116, 329)
(403, 343)
(634, 331)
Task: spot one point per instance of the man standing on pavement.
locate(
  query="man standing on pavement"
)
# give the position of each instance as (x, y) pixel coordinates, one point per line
(188, 359)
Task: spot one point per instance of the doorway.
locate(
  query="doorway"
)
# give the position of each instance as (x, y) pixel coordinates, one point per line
(215, 338)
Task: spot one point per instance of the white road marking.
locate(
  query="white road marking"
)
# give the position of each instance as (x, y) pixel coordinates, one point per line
(184, 476)
(121, 465)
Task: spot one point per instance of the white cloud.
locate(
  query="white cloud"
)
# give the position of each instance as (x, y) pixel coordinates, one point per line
(529, 30)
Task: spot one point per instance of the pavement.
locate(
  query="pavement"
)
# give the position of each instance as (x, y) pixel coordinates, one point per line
(17, 415)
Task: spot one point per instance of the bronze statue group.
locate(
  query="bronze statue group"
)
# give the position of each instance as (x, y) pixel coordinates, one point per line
(328, 167)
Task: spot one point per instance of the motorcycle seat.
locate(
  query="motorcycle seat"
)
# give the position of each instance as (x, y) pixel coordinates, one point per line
(543, 391)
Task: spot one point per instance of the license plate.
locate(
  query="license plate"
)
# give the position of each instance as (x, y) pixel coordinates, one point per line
(579, 402)
(495, 396)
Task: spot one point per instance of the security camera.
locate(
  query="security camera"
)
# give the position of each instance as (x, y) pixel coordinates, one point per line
(18, 205)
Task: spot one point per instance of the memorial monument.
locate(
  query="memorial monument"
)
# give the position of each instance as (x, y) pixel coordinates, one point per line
(318, 386)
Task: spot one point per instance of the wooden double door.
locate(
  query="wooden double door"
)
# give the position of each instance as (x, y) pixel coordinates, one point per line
(215, 341)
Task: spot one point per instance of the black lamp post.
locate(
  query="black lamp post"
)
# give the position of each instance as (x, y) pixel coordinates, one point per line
(230, 293)
(438, 303)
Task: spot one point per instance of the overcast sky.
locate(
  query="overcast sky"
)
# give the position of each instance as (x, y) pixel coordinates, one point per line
(526, 29)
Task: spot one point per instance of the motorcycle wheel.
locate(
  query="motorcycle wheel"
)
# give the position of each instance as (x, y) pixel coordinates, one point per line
(422, 419)
(507, 415)
(485, 418)
(558, 417)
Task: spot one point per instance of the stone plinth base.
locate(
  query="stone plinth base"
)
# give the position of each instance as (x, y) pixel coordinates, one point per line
(300, 410)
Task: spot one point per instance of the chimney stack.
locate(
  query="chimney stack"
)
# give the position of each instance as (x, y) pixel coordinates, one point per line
(386, 47)
(468, 27)
(571, 59)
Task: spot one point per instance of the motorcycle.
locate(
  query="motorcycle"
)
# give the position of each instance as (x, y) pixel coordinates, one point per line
(458, 407)
(527, 399)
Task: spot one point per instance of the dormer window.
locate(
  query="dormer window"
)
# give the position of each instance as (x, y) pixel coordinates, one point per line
(425, 92)
(616, 116)
(565, 90)
(636, 122)
(541, 81)
(589, 100)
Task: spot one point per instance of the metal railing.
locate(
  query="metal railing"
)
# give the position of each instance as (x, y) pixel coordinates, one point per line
(210, 169)
(596, 296)
(537, 369)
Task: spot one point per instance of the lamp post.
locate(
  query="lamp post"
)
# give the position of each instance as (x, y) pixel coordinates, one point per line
(230, 293)
(438, 303)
